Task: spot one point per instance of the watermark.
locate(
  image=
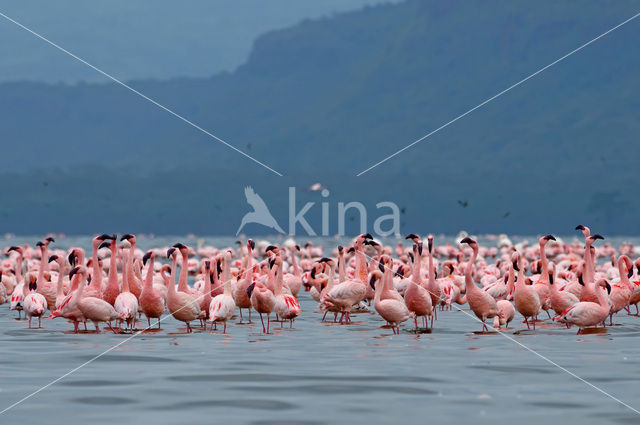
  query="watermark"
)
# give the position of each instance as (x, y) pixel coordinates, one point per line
(386, 222)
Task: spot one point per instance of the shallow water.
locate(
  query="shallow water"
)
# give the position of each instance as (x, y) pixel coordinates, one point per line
(319, 372)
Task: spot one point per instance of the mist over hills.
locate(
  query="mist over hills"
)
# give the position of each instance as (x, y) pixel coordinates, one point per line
(324, 100)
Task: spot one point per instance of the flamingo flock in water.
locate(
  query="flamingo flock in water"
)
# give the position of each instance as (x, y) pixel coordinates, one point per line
(582, 285)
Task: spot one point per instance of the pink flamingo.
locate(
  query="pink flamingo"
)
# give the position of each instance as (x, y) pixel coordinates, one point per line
(416, 297)
(286, 306)
(393, 311)
(586, 313)
(621, 292)
(182, 306)
(541, 286)
(126, 303)
(506, 313)
(240, 296)
(69, 306)
(95, 309)
(526, 298)
(222, 307)
(345, 294)
(34, 304)
(151, 302)
(262, 300)
(482, 304)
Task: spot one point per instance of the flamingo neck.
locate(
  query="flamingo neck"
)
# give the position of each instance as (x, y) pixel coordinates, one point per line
(148, 281)
(468, 280)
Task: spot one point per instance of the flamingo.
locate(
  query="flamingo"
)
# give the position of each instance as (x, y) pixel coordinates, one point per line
(586, 313)
(416, 297)
(483, 305)
(151, 302)
(286, 306)
(393, 311)
(526, 298)
(126, 303)
(240, 295)
(262, 300)
(541, 286)
(223, 306)
(95, 309)
(68, 308)
(620, 293)
(506, 313)
(34, 304)
(345, 294)
(182, 306)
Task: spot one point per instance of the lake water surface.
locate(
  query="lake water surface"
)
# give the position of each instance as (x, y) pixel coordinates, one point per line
(318, 373)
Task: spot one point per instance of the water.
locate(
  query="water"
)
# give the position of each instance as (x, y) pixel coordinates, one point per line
(318, 373)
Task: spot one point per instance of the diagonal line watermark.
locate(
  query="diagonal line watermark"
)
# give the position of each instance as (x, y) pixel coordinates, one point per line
(497, 95)
(543, 357)
(114, 79)
(27, 397)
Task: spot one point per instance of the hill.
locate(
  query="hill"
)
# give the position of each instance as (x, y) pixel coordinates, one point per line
(327, 98)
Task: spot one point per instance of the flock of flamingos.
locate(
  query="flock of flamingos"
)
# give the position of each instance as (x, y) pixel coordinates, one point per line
(118, 283)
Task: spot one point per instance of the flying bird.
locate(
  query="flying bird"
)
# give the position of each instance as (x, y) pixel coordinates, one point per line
(260, 213)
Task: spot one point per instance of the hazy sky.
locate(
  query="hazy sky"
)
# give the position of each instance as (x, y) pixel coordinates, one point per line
(144, 39)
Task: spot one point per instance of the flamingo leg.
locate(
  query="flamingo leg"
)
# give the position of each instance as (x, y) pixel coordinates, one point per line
(39, 322)
(29, 322)
(527, 322)
(158, 323)
(97, 328)
(225, 327)
(325, 315)
(262, 320)
(268, 322)
(241, 319)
